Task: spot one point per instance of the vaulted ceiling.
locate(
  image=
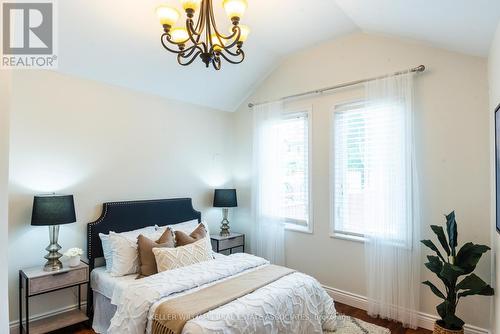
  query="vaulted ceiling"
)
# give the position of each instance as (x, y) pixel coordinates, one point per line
(118, 42)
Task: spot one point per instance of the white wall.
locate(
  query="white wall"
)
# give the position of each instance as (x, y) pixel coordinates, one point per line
(453, 144)
(494, 78)
(4, 177)
(103, 143)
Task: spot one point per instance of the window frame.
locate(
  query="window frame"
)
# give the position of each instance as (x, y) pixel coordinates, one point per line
(293, 224)
(334, 232)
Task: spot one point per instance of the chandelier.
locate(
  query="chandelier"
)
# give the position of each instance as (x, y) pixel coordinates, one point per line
(203, 38)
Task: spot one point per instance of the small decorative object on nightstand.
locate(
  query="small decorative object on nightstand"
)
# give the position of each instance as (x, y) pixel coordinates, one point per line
(35, 281)
(52, 211)
(225, 198)
(232, 243)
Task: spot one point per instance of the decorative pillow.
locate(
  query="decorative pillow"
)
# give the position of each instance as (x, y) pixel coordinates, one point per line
(171, 258)
(147, 261)
(187, 228)
(106, 247)
(182, 239)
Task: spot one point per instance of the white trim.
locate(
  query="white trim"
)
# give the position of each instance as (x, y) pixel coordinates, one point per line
(425, 320)
(14, 325)
(347, 236)
(298, 228)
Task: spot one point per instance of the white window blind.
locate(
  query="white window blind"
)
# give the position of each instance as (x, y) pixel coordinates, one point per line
(293, 136)
(366, 146)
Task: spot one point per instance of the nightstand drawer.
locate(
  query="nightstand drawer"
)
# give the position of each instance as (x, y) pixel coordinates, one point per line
(57, 280)
(230, 243)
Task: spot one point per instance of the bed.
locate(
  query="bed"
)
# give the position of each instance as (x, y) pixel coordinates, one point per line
(293, 303)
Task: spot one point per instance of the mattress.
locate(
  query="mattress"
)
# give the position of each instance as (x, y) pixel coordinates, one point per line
(102, 282)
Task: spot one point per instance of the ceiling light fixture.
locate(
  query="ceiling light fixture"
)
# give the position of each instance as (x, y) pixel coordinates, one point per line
(203, 39)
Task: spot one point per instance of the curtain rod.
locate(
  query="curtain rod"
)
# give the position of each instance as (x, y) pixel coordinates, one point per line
(417, 69)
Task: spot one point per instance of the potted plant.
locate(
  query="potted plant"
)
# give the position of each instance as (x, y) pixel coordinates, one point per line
(73, 255)
(449, 269)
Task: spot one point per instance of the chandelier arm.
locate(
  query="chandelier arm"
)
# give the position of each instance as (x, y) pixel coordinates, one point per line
(227, 37)
(236, 53)
(237, 30)
(188, 52)
(216, 63)
(179, 57)
(165, 36)
(208, 30)
(240, 54)
(192, 32)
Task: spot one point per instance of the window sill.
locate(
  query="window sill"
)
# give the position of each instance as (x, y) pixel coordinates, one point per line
(298, 228)
(348, 237)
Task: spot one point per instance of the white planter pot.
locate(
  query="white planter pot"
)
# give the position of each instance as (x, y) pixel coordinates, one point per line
(74, 261)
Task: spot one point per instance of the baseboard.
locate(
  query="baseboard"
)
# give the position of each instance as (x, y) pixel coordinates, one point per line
(14, 325)
(425, 320)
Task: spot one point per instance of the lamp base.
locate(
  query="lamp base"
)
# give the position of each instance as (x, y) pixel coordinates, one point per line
(53, 263)
(224, 224)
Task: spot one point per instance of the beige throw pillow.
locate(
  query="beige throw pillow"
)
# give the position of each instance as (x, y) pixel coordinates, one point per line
(147, 261)
(172, 258)
(182, 239)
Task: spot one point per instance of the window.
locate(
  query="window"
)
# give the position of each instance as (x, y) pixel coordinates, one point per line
(293, 140)
(349, 171)
(368, 169)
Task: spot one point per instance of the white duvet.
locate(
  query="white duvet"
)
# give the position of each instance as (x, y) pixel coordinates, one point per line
(295, 303)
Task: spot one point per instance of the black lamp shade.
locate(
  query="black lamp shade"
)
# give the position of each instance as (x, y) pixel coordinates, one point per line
(53, 210)
(225, 198)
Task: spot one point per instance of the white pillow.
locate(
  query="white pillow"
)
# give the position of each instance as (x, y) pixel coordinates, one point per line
(106, 250)
(187, 227)
(111, 250)
(172, 258)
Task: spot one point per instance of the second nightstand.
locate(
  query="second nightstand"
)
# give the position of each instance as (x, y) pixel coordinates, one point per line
(233, 243)
(35, 281)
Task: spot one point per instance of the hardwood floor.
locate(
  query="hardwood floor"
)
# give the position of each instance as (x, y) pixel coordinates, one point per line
(395, 327)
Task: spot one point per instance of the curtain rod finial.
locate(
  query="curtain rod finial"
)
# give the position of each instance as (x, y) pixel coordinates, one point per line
(420, 68)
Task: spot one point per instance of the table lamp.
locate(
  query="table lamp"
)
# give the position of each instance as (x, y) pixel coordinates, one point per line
(225, 198)
(52, 211)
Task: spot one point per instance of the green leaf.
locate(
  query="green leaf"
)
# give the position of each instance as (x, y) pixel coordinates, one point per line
(435, 264)
(434, 289)
(451, 273)
(438, 230)
(453, 322)
(451, 228)
(471, 282)
(447, 313)
(469, 255)
(484, 291)
(433, 247)
(473, 285)
(443, 309)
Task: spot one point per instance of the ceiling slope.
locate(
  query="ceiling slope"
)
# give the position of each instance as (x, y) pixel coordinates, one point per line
(118, 42)
(459, 25)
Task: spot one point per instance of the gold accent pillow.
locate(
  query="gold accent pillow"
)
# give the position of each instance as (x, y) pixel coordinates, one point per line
(172, 258)
(147, 261)
(182, 239)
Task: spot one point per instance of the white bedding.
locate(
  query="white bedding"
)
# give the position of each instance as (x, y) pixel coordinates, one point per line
(293, 304)
(102, 282)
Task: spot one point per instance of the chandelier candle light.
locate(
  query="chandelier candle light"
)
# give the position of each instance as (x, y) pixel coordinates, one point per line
(203, 38)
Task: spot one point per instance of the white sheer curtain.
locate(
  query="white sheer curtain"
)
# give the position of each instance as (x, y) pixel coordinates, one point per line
(391, 208)
(267, 190)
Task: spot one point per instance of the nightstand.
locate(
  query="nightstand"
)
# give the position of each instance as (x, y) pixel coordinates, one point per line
(35, 281)
(233, 243)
